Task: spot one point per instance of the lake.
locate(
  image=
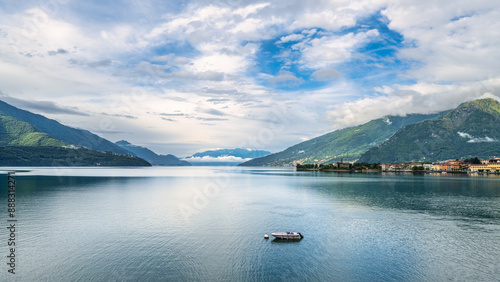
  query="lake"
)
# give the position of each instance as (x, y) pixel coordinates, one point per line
(208, 224)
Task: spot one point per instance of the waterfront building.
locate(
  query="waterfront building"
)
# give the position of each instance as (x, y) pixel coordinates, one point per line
(492, 167)
(428, 166)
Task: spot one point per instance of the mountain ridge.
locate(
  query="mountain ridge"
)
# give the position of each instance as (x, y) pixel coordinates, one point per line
(348, 143)
(61, 132)
(150, 156)
(472, 129)
(18, 133)
(23, 144)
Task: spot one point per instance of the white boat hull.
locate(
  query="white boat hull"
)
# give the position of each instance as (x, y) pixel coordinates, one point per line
(288, 235)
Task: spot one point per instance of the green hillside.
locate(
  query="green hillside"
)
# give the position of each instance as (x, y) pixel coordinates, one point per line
(59, 156)
(61, 132)
(18, 133)
(349, 143)
(23, 144)
(472, 129)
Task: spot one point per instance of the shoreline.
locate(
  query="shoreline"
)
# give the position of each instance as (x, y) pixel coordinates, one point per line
(398, 171)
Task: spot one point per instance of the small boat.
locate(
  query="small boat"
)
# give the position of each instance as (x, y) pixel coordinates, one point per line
(288, 235)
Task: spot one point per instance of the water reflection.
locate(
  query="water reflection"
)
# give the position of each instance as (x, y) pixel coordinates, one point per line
(370, 227)
(283, 241)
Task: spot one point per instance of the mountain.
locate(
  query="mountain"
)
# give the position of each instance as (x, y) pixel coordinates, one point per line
(60, 132)
(23, 144)
(348, 143)
(225, 156)
(472, 129)
(18, 133)
(151, 156)
(62, 156)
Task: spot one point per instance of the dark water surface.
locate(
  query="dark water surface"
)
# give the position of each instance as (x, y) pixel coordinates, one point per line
(208, 224)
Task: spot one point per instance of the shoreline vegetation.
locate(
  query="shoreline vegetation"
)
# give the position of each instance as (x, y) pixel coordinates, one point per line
(340, 167)
(335, 168)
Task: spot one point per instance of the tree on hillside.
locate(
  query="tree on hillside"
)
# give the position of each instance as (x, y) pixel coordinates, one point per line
(475, 160)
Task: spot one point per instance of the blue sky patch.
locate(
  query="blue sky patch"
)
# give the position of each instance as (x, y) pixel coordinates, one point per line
(371, 63)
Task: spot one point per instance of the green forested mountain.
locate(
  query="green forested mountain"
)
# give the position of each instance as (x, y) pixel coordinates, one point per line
(18, 133)
(61, 132)
(60, 156)
(24, 144)
(348, 143)
(150, 156)
(472, 129)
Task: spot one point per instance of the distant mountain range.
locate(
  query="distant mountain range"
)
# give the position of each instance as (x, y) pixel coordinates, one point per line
(349, 143)
(225, 156)
(150, 156)
(470, 130)
(21, 144)
(28, 139)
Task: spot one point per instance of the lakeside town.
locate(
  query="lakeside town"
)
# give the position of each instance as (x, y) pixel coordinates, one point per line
(472, 165)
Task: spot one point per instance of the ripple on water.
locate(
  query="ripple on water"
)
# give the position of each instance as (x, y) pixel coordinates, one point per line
(356, 227)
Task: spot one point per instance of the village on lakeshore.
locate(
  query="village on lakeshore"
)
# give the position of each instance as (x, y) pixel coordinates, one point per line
(472, 165)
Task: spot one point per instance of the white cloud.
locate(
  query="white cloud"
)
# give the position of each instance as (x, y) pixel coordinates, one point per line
(224, 159)
(285, 76)
(473, 139)
(291, 37)
(481, 140)
(203, 75)
(416, 98)
(333, 15)
(333, 49)
(465, 135)
(327, 74)
(250, 9)
(219, 63)
(452, 41)
(215, 28)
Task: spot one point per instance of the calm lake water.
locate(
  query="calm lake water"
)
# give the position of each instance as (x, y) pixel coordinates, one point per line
(208, 224)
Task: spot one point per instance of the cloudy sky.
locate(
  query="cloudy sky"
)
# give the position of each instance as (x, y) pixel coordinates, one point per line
(183, 76)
